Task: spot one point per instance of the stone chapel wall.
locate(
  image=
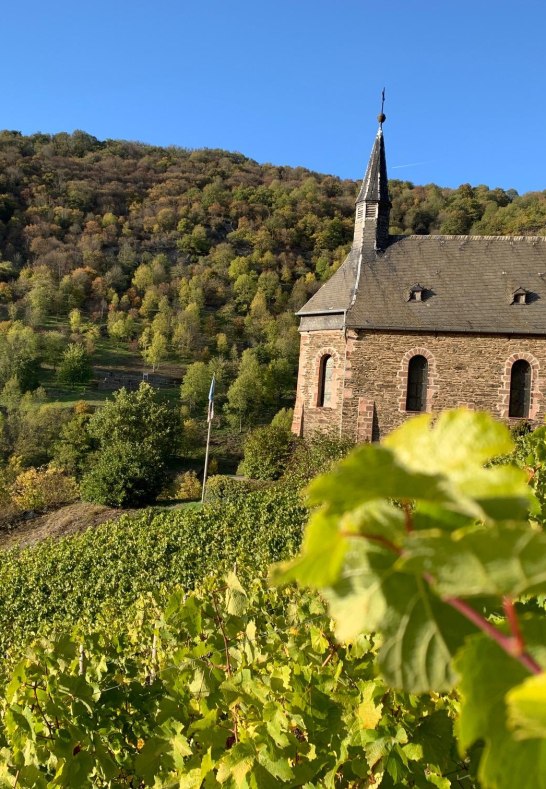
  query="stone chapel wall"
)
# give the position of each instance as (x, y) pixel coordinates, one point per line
(371, 377)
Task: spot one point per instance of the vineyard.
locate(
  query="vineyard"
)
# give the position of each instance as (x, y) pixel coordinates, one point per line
(401, 643)
(73, 579)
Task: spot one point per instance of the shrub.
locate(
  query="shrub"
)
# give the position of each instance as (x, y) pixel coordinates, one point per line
(71, 451)
(36, 489)
(283, 419)
(75, 366)
(124, 474)
(136, 435)
(187, 486)
(266, 452)
(315, 455)
(220, 486)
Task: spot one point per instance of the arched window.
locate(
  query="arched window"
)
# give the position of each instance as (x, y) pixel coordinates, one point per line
(416, 396)
(326, 370)
(520, 389)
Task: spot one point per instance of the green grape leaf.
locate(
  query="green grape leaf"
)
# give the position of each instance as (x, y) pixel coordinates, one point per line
(434, 737)
(276, 765)
(527, 708)
(456, 445)
(236, 597)
(373, 472)
(420, 636)
(500, 492)
(155, 755)
(356, 600)
(426, 515)
(236, 763)
(502, 559)
(487, 674)
(449, 443)
(75, 771)
(420, 633)
(321, 558)
(376, 518)
(191, 779)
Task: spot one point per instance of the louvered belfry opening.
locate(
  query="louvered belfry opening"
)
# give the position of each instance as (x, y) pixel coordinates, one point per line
(326, 370)
(520, 389)
(416, 397)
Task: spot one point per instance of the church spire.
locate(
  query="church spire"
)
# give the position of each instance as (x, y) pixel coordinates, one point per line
(373, 203)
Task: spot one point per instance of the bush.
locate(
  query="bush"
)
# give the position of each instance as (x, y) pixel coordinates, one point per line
(136, 434)
(220, 486)
(283, 419)
(266, 452)
(187, 487)
(75, 366)
(124, 474)
(37, 489)
(315, 455)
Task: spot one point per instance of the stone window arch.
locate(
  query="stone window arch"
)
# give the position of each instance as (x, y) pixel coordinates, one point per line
(417, 381)
(325, 382)
(519, 392)
(520, 389)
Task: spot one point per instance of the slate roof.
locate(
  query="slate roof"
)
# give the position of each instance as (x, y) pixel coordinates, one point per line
(336, 293)
(375, 185)
(468, 282)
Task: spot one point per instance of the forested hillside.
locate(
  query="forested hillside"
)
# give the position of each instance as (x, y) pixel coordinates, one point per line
(190, 253)
(118, 258)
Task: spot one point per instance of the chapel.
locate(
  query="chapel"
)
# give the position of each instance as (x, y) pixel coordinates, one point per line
(421, 323)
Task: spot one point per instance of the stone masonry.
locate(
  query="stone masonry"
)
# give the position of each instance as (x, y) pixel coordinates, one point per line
(370, 377)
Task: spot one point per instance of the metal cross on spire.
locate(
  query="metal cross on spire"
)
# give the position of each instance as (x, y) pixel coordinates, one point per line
(382, 117)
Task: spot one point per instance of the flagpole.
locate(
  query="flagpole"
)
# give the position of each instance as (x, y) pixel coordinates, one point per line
(206, 463)
(210, 416)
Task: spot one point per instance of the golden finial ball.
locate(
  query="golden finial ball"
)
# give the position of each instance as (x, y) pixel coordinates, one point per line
(381, 117)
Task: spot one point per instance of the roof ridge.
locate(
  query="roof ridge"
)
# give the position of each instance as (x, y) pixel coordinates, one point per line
(469, 238)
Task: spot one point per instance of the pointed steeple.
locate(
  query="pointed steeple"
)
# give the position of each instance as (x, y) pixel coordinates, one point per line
(373, 203)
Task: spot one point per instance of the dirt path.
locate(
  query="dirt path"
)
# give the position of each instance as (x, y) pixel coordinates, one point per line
(72, 519)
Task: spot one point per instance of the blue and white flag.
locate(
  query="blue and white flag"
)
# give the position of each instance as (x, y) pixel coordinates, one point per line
(210, 416)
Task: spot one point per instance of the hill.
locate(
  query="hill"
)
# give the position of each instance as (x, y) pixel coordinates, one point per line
(120, 260)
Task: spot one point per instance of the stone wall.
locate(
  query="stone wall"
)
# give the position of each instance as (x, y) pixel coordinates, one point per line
(307, 416)
(371, 377)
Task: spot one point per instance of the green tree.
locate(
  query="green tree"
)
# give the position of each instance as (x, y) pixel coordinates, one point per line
(75, 366)
(136, 435)
(246, 394)
(74, 446)
(195, 386)
(19, 355)
(187, 328)
(155, 348)
(266, 452)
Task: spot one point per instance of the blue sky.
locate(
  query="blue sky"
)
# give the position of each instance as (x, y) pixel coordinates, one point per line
(293, 82)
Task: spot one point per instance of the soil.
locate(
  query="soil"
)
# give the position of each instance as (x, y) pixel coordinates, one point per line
(72, 519)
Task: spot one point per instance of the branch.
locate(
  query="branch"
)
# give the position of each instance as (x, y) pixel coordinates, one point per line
(513, 621)
(513, 645)
(378, 538)
(505, 642)
(228, 665)
(408, 523)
